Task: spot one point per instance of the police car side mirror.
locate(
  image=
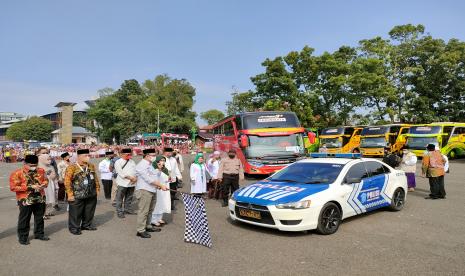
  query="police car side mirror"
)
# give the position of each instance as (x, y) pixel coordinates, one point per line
(352, 180)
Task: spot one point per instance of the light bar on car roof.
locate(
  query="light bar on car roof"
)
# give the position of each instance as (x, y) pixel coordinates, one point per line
(335, 155)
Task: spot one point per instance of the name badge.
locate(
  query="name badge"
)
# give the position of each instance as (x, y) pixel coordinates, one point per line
(86, 181)
(92, 176)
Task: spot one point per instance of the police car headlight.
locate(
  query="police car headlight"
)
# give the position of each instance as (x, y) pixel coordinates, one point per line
(295, 205)
(255, 163)
(233, 198)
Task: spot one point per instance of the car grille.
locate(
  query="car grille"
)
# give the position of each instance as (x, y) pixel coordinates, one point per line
(252, 206)
(265, 214)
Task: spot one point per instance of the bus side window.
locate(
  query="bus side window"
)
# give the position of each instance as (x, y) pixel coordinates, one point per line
(395, 130)
(228, 129)
(348, 131)
(447, 132)
(345, 140)
(459, 130)
(392, 138)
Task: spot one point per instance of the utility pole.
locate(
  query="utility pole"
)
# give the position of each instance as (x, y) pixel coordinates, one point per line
(158, 120)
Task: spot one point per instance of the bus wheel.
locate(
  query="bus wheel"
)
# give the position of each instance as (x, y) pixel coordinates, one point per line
(452, 154)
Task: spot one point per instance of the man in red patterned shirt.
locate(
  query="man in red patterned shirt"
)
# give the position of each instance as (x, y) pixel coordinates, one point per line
(29, 183)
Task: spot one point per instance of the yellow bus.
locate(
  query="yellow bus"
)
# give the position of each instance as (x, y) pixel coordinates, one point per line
(449, 137)
(375, 138)
(345, 139)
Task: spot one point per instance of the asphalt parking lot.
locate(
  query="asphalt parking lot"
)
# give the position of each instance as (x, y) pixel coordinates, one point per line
(426, 238)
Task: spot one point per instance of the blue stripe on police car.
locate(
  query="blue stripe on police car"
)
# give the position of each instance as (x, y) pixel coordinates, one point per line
(272, 193)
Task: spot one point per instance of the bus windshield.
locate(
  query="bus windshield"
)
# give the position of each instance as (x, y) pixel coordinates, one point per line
(381, 130)
(373, 142)
(332, 142)
(421, 142)
(274, 146)
(278, 120)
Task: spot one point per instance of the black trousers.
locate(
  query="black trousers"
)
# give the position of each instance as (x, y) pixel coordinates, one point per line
(174, 187)
(107, 185)
(61, 191)
(230, 182)
(436, 185)
(25, 212)
(81, 213)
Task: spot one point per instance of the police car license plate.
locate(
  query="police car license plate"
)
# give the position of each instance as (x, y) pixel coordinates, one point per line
(249, 213)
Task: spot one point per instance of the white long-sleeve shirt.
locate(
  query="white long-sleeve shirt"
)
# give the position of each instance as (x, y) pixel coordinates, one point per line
(213, 167)
(198, 179)
(146, 175)
(172, 166)
(128, 170)
(104, 169)
(180, 162)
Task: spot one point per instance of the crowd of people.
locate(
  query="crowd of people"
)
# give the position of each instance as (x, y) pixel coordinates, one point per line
(16, 152)
(153, 183)
(434, 167)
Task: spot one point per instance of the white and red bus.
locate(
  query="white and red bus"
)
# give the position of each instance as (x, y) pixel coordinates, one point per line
(265, 142)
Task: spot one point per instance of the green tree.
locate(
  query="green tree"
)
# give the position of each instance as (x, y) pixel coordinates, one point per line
(33, 128)
(106, 112)
(163, 104)
(405, 39)
(439, 84)
(277, 88)
(373, 78)
(212, 116)
(169, 104)
(82, 120)
(409, 77)
(240, 102)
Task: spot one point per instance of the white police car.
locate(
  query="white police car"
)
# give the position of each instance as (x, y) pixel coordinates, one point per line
(318, 193)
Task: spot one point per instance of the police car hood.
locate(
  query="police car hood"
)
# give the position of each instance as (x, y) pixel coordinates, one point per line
(277, 192)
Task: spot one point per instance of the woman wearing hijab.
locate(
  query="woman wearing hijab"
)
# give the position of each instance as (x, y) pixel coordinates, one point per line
(198, 176)
(45, 162)
(409, 166)
(163, 204)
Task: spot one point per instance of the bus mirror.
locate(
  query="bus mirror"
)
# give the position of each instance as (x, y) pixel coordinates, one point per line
(311, 137)
(244, 141)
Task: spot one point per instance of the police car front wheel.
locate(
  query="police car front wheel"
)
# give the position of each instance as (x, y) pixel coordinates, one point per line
(329, 219)
(398, 199)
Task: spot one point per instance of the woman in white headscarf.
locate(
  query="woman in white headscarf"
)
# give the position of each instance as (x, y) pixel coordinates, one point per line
(163, 204)
(409, 166)
(198, 176)
(45, 162)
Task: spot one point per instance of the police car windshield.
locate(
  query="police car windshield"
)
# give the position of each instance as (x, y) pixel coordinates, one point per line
(308, 173)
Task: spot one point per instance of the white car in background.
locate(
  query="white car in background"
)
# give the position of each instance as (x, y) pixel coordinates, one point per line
(318, 193)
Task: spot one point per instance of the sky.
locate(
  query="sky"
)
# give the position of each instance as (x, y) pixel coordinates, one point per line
(52, 51)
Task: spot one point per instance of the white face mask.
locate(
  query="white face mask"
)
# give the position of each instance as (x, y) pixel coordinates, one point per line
(152, 158)
(32, 168)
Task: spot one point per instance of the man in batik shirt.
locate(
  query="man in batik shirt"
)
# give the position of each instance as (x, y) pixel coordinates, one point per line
(29, 183)
(82, 187)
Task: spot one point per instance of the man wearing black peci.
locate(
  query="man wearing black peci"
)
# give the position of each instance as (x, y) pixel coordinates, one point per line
(82, 188)
(29, 182)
